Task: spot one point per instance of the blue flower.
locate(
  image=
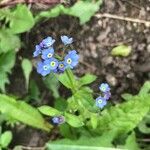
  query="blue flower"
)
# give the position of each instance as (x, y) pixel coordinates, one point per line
(43, 68)
(58, 119)
(107, 95)
(104, 87)
(37, 51)
(61, 66)
(48, 53)
(71, 59)
(101, 102)
(66, 40)
(52, 63)
(47, 42)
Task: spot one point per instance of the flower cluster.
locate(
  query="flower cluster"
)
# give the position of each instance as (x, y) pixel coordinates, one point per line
(101, 101)
(50, 61)
(58, 120)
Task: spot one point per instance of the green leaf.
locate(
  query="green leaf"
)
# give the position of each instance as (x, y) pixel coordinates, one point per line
(74, 121)
(87, 79)
(145, 88)
(68, 80)
(94, 120)
(85, 143)
(34, 92)
(84, 10)
(5, 139)
(7, 61)
(131, 143)
(127, 96)
(22, 20)
(8, 41)
(27, 69)
(143, 125)
(124, 117)
(22, 112)
(49, 111)
(52, 84)
(121, 50)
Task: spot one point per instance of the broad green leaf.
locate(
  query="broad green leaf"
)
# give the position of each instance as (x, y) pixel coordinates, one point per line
(145, 88)
(22, 112)
(27, 69)
(84, 10)
(22, 19)
(7, 61)
(131, 143)
(127, 96)
(121, 50)
(85, 143)
(49, 111)
(52, 84)
(74, 121)
(87, 79)
(68, 80)
(5, 139)
(124, 117)
(8, 41)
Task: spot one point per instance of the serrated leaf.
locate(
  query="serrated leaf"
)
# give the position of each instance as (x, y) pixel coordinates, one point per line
(27, 69)
(73, 120)
(8, 41)
(7, 61)
(22, 20)
(87, 79)
(22, 112)
(49, 111)
(121, 50)
(5, 139)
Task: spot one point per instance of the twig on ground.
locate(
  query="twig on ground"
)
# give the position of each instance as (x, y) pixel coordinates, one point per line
(112, 16)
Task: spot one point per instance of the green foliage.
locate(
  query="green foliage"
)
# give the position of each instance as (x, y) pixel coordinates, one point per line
(5, 139)
(84, 10)
(27, 68)
(131, 143)
(22, 20)
(121, 50)
(49, 111)
(8, 41)
(22, 112)
(7, 61)
(52, 84)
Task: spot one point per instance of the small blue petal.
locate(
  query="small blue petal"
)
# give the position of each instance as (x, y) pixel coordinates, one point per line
(47, 53)
(37, 51)
(107, 95)
(58, 119)
(52, 63)
(101, 102)
(66, 40)
(47, 42)
(71, 59)
(43, 68)
(104, 87)
(61, 66)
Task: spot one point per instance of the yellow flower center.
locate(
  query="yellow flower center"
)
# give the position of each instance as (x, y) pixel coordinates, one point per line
(49, 55)
(61, 66)
(69, 61)
(52, 63)
(100, 101)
